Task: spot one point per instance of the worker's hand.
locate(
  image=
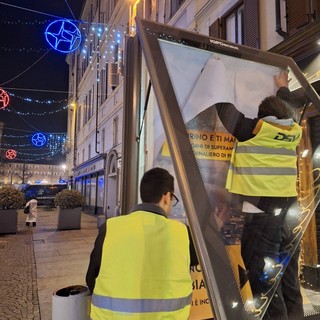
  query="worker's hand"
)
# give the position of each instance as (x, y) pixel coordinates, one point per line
(282, 80)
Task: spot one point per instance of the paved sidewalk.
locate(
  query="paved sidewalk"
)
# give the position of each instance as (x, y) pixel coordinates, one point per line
(35, 262)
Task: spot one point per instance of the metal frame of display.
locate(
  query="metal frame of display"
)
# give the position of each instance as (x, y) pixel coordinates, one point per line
(221, 285)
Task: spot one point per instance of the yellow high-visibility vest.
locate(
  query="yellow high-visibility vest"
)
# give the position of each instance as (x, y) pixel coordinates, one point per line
(145, 270)
(266, 165)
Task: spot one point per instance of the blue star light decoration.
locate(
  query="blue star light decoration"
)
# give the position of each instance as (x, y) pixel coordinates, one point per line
(39, 139)
(63, 36)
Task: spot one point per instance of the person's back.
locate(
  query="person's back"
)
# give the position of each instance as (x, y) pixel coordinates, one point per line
(145, 264)
(263, 178)
(266, 164)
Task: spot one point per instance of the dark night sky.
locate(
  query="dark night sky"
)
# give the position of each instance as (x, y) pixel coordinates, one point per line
(22, 29)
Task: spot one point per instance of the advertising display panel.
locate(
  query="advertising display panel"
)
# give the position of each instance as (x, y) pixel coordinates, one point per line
(227, 121)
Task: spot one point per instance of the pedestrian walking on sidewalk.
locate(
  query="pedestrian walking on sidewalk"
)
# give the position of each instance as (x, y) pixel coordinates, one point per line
(140, 264)
(31, 217)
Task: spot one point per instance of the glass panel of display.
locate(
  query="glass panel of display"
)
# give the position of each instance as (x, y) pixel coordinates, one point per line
(249, 186)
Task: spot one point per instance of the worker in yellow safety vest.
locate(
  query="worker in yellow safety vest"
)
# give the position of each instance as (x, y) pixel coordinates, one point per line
(140, 265)
(263, 177)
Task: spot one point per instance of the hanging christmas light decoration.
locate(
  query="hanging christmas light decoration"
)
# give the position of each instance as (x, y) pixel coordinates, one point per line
(21, 22)
(56, 134)
(56, 143)
(38, 139)
(4, 99)
(33, 100)
(11, 154)
(66, 147)
(63, 36)
(44, 113)
(23, 50)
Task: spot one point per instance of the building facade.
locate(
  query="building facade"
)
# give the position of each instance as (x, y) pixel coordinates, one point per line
(96, 93)
(100, 150)
(96, 82)
(22, 173)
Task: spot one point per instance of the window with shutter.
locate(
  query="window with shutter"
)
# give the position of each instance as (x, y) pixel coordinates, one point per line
(239, 25)
(297, 14)
(215, 29)
(251, 23)
(230, 26)
(316, 9)
(234, 26)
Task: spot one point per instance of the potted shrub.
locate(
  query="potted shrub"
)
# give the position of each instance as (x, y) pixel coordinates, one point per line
(11, 199)
(70, 203)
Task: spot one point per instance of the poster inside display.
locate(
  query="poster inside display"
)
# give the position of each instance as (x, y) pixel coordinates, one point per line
(192, 77)
(200, 305)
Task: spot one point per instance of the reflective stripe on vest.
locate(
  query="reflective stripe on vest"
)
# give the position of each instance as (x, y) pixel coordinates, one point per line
(264, 150)
(140, 305)
(265, 165)
(264, 171)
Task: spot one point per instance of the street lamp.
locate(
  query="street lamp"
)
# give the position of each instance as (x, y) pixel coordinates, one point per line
(63, 178)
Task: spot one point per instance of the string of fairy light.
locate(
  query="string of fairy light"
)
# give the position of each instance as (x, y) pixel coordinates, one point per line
(37, 100)
(55, 141)
(106, 45)
(22, 22)
(43, 154)
(24, 50)
(31, 157)
(43, 113)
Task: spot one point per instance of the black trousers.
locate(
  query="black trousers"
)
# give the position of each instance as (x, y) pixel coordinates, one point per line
(270, 252)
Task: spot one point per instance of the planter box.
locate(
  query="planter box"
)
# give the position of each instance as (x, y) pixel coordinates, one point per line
(8, 221)
(69, 218)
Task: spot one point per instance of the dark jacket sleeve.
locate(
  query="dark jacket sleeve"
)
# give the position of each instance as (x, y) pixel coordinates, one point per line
(294, 99)
(193, 255)
(95, 258)
(284, 94)
(235, 122)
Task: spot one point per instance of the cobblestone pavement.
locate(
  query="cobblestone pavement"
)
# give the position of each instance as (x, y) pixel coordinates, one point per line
(35, 262)
(18, 275)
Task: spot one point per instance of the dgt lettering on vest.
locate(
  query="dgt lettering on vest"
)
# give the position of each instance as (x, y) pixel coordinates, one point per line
(286, 137)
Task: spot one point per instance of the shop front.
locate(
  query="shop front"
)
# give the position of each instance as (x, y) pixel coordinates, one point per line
(89, 179)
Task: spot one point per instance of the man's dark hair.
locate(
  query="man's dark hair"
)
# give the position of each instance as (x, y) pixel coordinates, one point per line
(274, 106)
(154, 184)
